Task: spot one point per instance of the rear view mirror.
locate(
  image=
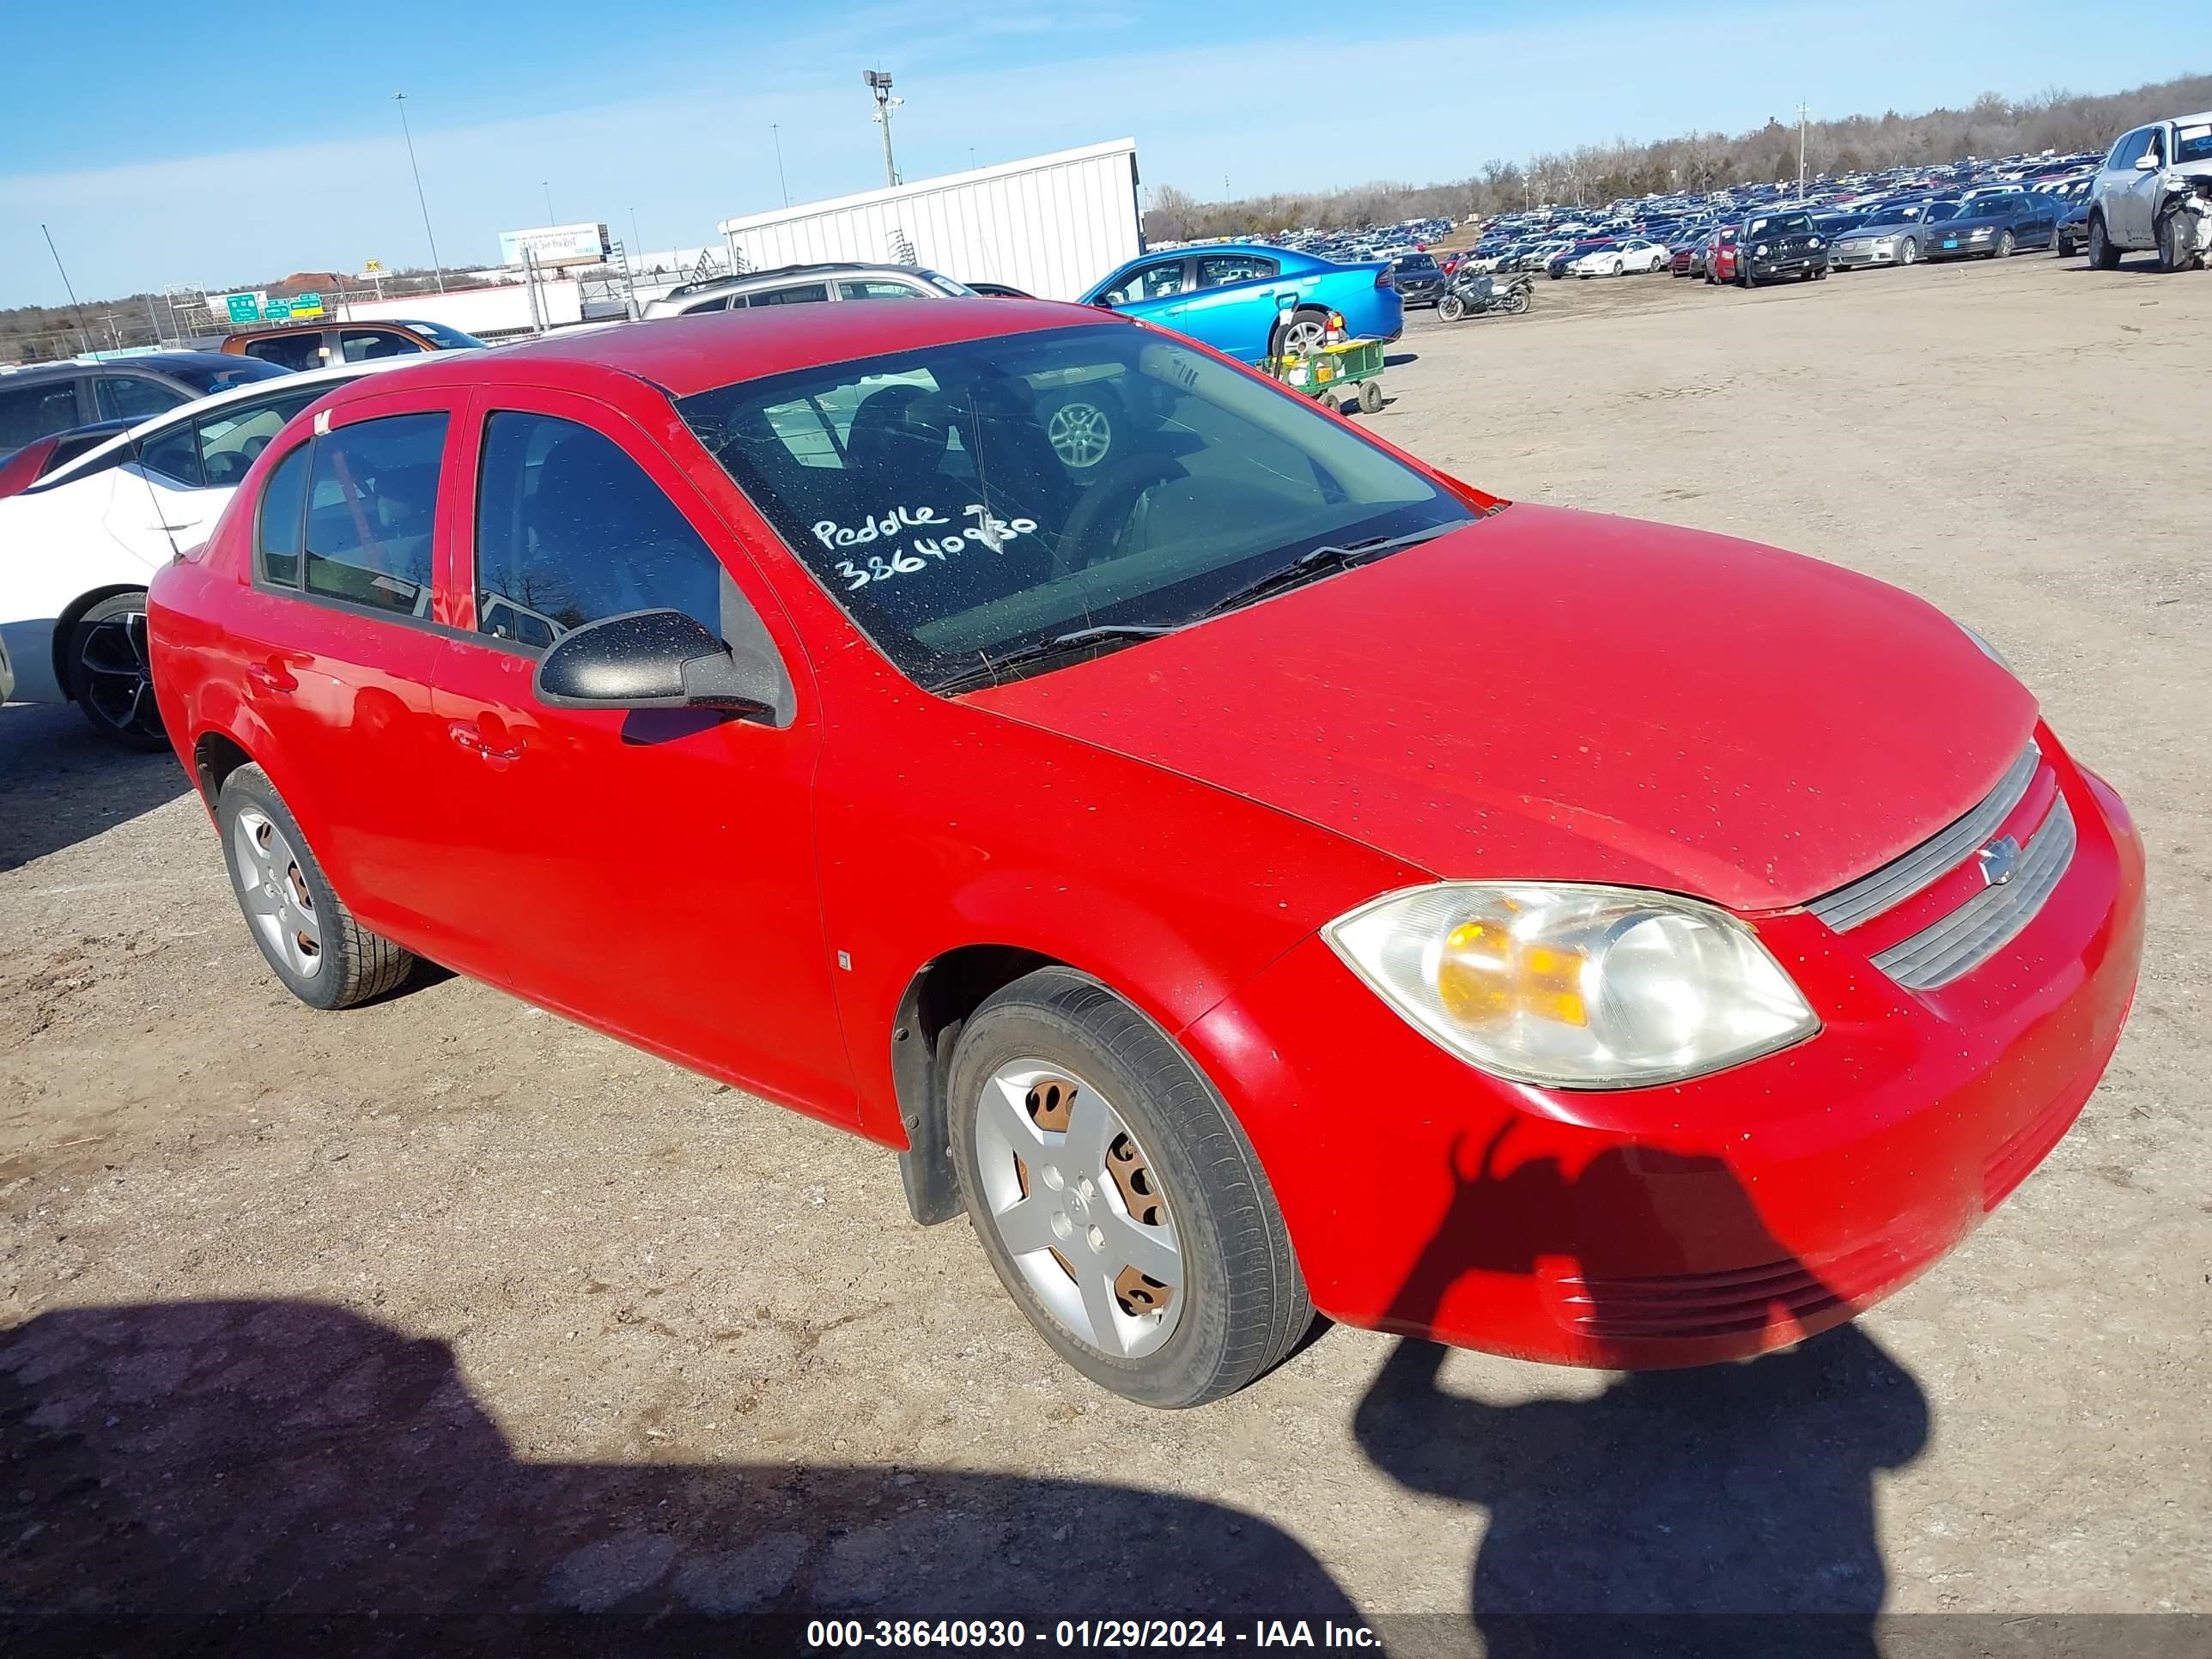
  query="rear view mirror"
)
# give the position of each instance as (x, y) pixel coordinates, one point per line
(654, 659)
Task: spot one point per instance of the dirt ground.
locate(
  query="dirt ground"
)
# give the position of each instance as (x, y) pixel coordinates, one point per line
(444, 1305)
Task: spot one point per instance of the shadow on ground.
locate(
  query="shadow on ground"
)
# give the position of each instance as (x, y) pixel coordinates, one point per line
(280, 1477)
(62, 783)
(1678, 1511)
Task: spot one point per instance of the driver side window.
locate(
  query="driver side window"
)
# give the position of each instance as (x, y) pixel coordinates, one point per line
(570, 529)
(1161, 280)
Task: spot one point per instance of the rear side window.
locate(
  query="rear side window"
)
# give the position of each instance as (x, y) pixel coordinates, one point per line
(282, 521)
(798, 294)
(372, 499)
(1219, 269)
(30, 412)
(175, 454)
(300, 350)
(127, 398)
(570, 529)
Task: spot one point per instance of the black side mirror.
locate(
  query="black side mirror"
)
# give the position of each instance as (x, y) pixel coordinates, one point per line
(1103, 303)
(654, 659)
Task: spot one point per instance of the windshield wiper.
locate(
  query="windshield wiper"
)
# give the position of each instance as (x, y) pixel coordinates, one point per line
(1060, 645)
(1320, 562)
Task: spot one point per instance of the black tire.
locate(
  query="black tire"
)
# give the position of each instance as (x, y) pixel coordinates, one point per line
(2170, 254)
(1743, 277)
(2103, 256)
(353, 964)
(2062, 247)
(1370, 396)
(1515, 302)
(1303, 320)
(1246, 1303)
(110, 678)
(1451, 308)
(1909, 254)
(2004, 247)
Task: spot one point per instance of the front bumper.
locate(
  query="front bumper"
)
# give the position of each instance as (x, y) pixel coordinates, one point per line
(1934, 249)
(1703, 1221)
(1793, 266)
(1859, 259)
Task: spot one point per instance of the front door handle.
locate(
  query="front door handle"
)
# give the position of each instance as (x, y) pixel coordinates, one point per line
(469, 738)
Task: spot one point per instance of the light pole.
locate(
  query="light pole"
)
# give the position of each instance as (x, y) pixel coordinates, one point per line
(547, 187)
(1800, 154)
(879, 87)
(421, 201)
(776, 132)
(636, 239)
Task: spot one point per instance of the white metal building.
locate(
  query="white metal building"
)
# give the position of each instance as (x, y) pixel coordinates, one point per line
(1050, 224)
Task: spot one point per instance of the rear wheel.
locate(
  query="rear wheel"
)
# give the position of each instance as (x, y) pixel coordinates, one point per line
(1515, 302)
(2103, 256)
(1307, 329)
(1117, 1197)
(1370, 396)
(110, 677)
(309, 938)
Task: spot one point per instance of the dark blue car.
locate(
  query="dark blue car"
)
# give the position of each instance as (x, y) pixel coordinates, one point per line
(1989, 226)
(1229, 295)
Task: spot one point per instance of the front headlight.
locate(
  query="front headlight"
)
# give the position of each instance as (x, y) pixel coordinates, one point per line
(1977, 236)
(1574, 987)
(1885, 242)
(1761, 248)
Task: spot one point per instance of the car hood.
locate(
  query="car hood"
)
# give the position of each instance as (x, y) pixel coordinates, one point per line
(1561, 696)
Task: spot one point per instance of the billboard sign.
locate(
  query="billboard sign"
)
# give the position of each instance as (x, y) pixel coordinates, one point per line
(555, 245)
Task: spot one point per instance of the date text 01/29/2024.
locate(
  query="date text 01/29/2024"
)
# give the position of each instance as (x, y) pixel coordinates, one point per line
(986, 1635)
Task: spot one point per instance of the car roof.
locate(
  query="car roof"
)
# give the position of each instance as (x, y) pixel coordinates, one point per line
(784, 273)
(275, 385)
(681, 355)
(158, 361)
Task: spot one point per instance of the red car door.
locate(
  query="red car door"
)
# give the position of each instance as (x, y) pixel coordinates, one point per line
(338, 637)
(648, 872)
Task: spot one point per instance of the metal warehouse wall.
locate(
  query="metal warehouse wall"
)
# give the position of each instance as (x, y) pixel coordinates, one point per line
(1051, 224)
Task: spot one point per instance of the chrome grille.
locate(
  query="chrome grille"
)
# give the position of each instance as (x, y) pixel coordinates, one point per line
(1985, 923)
(1940, 854)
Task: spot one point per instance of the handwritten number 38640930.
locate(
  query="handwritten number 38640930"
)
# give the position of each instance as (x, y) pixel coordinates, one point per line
(986, 531)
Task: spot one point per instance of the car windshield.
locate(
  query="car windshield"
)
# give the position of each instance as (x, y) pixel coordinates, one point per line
(2192, 143)
(207, 378)
(966, 501)
(1954, 211)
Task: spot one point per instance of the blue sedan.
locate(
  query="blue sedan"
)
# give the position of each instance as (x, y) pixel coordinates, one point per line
(1989, 226)
(1229, 296)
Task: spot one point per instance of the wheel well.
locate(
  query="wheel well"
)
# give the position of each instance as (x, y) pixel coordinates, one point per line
(215, 757)
(937, 1001)
(65, 625)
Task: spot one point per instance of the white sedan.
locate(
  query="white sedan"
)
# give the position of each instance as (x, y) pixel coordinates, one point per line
(1632, 254)
(77, 548)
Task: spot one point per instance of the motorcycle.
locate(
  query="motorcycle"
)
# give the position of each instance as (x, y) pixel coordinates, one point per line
(1473, 293)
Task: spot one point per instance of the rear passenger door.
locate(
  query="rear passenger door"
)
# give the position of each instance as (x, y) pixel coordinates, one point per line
(649, 872)
(1228, 307)
(340, 633)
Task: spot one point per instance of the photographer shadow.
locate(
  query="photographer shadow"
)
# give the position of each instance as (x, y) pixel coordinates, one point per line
(261, 1478)
(1677, 1511)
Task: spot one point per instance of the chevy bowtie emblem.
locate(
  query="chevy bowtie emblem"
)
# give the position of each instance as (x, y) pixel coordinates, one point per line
(2000, 861)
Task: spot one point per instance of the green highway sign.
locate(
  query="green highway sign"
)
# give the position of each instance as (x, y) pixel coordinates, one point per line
(244, 307)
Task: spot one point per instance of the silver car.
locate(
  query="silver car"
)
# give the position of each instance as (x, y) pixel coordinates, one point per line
(803, 284)
(1894, 240)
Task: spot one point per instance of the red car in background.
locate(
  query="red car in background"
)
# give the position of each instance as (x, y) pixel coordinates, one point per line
(1723, 262)
(1258, 874)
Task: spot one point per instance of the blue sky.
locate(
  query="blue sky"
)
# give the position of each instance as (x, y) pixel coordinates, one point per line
(213, 156)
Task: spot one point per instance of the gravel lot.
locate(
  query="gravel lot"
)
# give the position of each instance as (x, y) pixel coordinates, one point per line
(445, 1305)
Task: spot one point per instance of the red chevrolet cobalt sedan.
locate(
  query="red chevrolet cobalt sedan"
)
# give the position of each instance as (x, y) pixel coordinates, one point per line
(1246, 869)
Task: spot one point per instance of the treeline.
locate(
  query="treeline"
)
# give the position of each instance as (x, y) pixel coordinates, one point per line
(1597, 174)
(37, 334)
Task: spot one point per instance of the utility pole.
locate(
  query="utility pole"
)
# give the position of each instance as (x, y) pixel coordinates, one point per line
(546, 185)
(1800, 154)
(879, 87)
(421, 201)
(776, 132)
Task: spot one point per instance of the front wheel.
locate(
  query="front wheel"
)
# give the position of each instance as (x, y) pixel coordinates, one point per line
(2004, 246)
(1117, 1197)
(2103, 256)
(2172, 256)
(1370, 396)
(1910, 253)
(309, 938)
(1451, 308)
(110, 675)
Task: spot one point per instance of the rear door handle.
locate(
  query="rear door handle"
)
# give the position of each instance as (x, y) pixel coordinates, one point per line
(269, 677)
(471, 739)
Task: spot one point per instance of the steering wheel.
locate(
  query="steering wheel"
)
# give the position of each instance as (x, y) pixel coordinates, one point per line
(1112, 496)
